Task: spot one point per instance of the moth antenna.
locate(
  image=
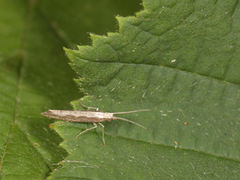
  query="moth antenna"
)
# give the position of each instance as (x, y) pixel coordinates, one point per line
(131, 122)
(132, 111)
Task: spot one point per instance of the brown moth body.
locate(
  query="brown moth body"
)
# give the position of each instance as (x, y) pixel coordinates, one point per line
(79, 115)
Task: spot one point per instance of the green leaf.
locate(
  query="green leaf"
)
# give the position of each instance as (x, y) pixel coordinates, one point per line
(179, 59)
(35, 76)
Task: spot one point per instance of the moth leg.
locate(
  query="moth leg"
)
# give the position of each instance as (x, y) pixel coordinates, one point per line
(95, 126)
(102, 133)
(88, 107)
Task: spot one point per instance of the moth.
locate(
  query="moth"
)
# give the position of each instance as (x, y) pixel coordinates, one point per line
(89, 116)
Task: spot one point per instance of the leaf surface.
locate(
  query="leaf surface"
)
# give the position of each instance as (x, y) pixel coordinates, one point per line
(179, 59)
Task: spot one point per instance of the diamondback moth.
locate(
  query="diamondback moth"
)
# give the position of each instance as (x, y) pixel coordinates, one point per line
(89, 116)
